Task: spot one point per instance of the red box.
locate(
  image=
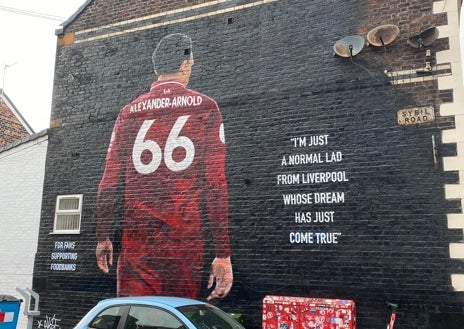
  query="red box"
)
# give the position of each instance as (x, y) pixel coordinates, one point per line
(285, 312)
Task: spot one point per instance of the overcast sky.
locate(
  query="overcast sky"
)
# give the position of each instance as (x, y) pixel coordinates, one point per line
(28, 47)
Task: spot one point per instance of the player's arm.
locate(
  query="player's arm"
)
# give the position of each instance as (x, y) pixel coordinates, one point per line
(218, 207)
(106, 200)
(216, 187)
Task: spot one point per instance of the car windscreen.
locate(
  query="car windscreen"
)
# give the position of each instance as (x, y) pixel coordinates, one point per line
(206, 316)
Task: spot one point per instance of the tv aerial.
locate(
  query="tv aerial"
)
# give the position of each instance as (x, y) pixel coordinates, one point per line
(425, 38)
(5, 66)
(382, 35)
(349, 46)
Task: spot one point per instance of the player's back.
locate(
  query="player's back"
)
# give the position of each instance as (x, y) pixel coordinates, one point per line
(166, 138)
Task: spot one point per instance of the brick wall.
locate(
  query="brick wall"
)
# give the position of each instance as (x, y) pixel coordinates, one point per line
(293, 111)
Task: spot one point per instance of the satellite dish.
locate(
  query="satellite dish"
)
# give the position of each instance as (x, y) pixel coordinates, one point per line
(425, 38)
(383, 35)
(349, 46)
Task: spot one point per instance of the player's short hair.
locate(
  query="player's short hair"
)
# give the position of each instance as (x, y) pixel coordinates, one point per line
(170, 52)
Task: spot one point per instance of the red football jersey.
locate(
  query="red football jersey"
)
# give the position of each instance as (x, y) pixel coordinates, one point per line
(168, 145)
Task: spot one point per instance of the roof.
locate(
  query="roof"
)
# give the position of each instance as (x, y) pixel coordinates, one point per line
(63, 25)
(152, 300)
(13, 126)
(24, 140)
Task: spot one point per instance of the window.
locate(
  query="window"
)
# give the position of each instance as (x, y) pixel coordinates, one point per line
(68, 214)
(209, 317)
(108, 319)
(145, 317)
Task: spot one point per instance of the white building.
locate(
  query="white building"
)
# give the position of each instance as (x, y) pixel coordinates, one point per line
(22, 167)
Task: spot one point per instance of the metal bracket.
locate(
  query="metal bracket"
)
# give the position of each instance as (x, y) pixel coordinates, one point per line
(28, 296)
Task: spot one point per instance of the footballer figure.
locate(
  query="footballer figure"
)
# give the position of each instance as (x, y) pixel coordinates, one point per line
(168, 146)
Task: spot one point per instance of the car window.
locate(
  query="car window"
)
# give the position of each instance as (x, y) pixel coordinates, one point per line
(108, 319)
(206, 316)
(146, 317)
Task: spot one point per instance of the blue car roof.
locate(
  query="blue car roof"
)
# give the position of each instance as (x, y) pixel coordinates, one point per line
(152, 300)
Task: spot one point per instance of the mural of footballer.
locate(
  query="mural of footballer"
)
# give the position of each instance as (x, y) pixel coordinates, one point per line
(168, 144)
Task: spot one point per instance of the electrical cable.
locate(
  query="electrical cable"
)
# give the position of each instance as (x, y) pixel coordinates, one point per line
(31, 13)
(361, 66)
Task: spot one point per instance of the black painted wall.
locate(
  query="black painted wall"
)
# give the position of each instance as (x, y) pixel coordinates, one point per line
(272, 70)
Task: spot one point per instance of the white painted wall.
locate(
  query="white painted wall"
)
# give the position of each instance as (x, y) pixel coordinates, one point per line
(453, 31)
(22, 171)
(461, 37)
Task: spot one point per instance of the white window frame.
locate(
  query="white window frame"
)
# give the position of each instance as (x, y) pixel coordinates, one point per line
(58, 212)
